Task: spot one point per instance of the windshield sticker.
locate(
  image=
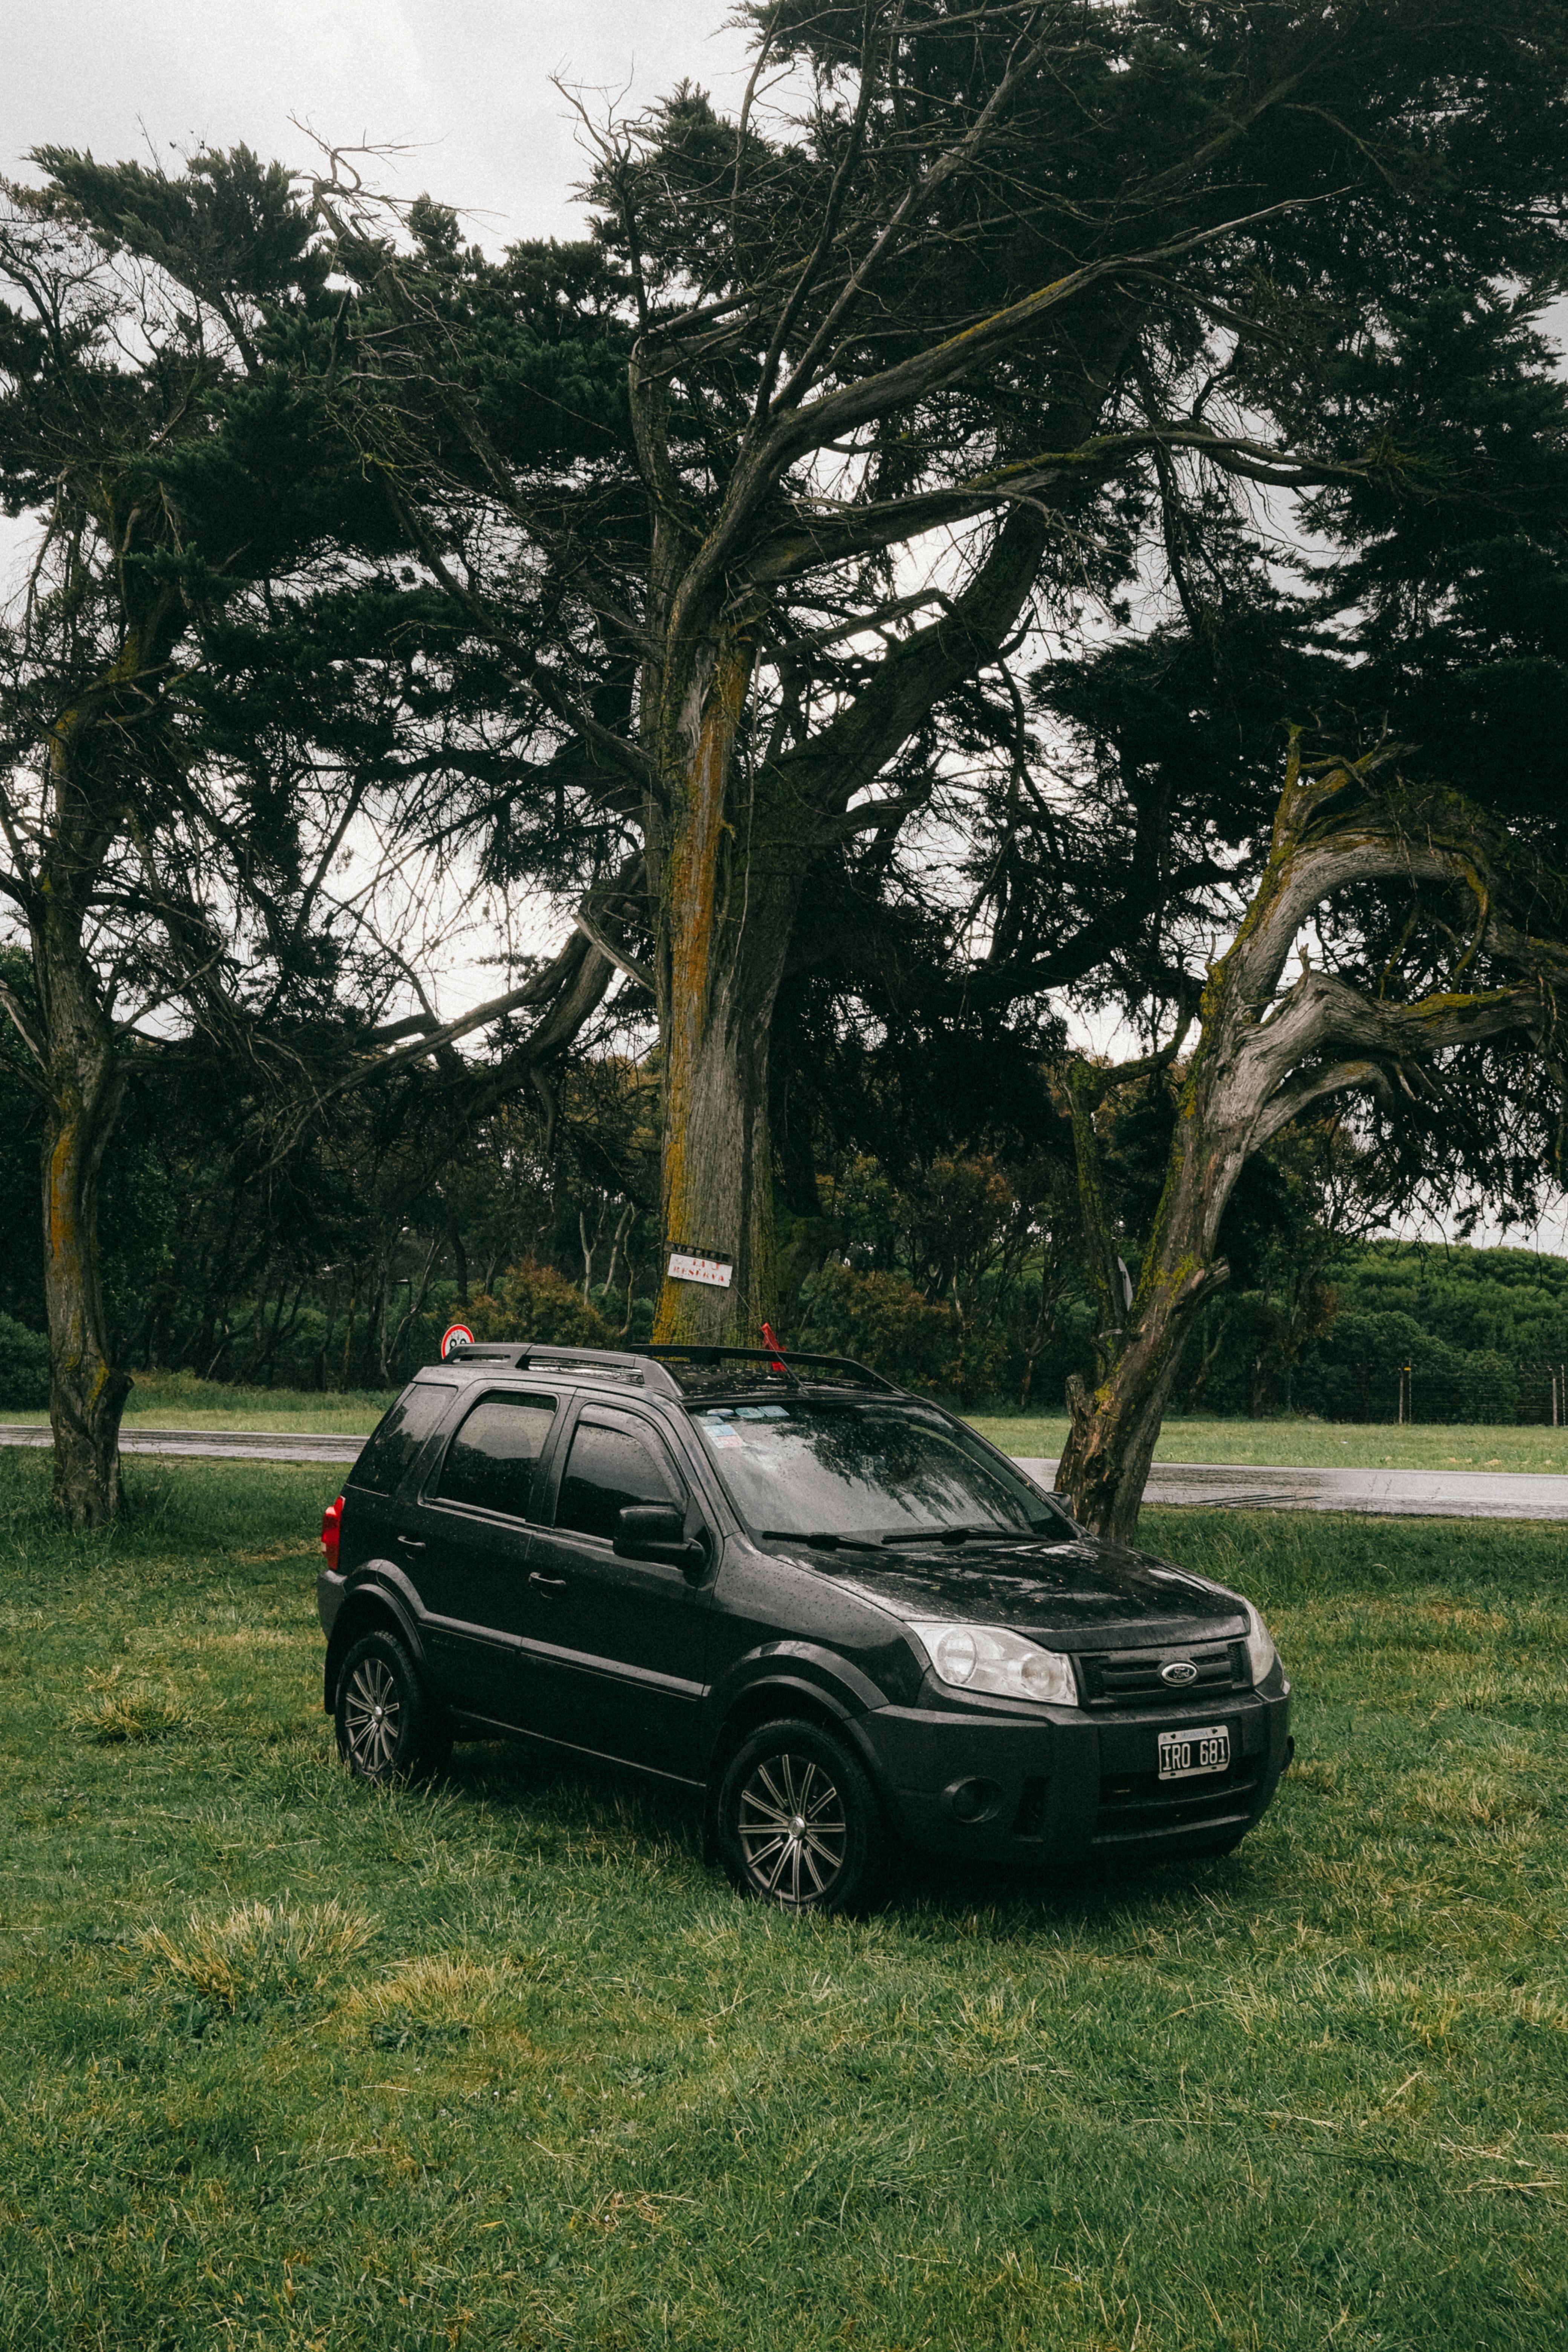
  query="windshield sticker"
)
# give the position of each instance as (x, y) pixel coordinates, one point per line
(728, 1439)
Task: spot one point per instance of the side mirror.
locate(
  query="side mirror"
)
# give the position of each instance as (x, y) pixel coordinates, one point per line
(657, 1531)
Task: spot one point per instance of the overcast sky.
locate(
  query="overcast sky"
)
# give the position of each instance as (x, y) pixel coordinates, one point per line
(467, 81)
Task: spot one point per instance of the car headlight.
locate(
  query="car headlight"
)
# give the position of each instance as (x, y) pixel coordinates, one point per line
(989, 1658)
(1259, 1643)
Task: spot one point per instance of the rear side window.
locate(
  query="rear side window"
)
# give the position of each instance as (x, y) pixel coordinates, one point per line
(398, 1436)
(607, 1469)
(491, 1462)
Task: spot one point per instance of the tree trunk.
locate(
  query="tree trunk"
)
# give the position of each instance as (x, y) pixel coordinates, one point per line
(618, 1241)
(1115, 1427)
(718, 1165)
(86, 1389)
(1262, 1058)
(731, 884)
(1114, 1431)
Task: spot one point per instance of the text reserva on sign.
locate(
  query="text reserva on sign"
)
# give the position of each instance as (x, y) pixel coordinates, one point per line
(687, 1265)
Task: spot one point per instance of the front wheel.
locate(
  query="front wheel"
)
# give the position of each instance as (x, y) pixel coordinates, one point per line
(389, 1726)
(798, 1823)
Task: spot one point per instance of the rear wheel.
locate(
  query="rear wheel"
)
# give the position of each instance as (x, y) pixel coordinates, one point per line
(389, 1726)
(798, 1823)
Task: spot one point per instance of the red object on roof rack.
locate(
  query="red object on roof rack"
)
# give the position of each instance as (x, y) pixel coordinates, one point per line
(776, 1347)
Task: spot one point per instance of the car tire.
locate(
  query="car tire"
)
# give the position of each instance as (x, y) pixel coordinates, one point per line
(797, 1822)
(390, 1728)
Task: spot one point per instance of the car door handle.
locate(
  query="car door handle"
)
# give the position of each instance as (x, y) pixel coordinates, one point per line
(412, 1543)
(547, 1583)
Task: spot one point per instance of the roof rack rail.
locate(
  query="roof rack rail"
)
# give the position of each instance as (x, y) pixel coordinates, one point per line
(544, 1355)
(656, 1364)
(791, 1362)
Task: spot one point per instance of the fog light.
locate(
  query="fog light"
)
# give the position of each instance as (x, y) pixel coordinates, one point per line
(972, 1800)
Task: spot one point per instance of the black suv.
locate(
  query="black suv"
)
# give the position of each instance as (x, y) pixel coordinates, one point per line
(826, 1602)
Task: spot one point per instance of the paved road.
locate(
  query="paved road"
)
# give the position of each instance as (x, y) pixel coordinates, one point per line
(1403, 1494)
(247, 1444)
(1411, 1494)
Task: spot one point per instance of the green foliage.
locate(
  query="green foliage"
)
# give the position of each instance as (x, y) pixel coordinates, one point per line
(884, 1321)
(183, 1400)
(502, 2062)
(1482, 1331)
(24, 1367)
(531, 1302)
(954, 1272)
(1515, 1300)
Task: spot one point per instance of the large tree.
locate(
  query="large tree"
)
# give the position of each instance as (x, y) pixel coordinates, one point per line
(1475, 960)
(1426, 925)
(149, 517)
(840, 401)
(215, 683)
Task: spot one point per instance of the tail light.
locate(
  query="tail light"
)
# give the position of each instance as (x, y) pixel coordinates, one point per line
(331, 1531)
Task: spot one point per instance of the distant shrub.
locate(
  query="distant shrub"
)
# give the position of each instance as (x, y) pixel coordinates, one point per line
(882, 1320)
(1354, 1374)
(531, 1302)
(24, 1368)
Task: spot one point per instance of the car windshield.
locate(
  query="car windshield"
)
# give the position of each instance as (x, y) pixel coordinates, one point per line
(871, 1473)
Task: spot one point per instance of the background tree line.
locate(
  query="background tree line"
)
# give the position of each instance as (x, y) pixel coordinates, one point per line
(1044, 518)
(959, 1271)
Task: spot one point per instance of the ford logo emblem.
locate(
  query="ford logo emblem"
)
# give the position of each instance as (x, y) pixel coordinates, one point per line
(1180, 1670)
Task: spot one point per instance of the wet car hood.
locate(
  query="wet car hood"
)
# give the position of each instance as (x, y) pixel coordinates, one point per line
(1075, 1592)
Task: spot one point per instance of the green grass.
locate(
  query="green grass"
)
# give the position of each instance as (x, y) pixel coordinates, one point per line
(1315, 1444)
(286, 2063)
(181, 1400)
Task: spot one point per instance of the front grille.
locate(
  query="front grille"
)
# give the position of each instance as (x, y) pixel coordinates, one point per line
(1131, 1677)
(1141, 1805)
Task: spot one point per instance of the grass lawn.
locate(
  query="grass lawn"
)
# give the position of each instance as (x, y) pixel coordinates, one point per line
(1315, 1444)
(178, 1401)
(286, 2063)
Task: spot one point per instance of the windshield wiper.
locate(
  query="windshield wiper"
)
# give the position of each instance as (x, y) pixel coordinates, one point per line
(954, 1534)
(824, 1541)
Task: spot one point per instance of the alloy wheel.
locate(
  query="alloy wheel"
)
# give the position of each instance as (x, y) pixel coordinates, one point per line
(793, 1829)
(373, 1717)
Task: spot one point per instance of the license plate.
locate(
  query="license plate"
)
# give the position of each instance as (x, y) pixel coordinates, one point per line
(1185, 1754)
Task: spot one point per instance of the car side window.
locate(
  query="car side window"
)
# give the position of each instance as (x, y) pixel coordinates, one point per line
(607, 1468)
(491, 1460)
(390, 1453)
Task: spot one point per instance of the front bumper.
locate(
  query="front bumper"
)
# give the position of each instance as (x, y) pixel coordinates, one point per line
(1074, 1785)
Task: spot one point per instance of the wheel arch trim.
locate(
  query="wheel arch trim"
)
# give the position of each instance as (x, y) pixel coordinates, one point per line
(807, 1666)
(372, 1599)
(774, 1691)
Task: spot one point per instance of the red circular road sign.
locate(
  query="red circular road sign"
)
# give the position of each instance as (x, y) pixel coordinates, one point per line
(456, 1334)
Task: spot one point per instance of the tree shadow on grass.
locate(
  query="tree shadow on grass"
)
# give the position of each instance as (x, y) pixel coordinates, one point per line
(572, 1797)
